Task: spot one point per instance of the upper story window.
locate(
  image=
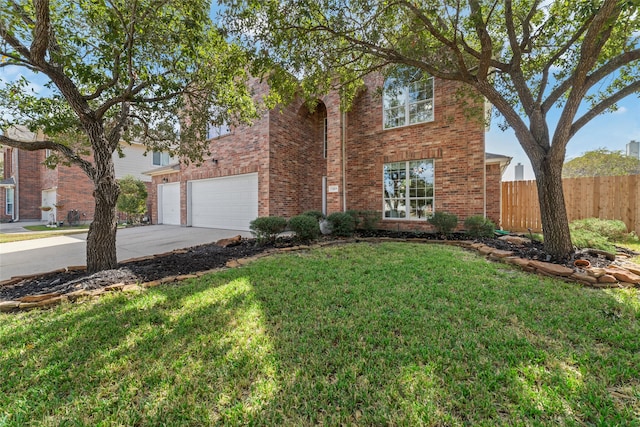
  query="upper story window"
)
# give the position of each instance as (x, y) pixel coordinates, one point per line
(216, 131)
(407, 98)
(161, 158)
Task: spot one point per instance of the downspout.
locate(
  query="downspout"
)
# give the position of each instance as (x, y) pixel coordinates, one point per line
(484, 173)
(344, 162)
(16, 198)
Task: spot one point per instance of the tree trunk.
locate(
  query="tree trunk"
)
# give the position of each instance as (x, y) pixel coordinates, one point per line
(101, 240)
(553, 212)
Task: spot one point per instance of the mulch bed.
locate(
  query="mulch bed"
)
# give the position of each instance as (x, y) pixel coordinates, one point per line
(211, 256)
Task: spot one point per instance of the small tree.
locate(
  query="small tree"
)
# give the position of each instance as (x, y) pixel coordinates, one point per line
(133, 198)
(601, 162)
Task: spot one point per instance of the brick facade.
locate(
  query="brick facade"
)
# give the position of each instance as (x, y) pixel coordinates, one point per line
(286, 148)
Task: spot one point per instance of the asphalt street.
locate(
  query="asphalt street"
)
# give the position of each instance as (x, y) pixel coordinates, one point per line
(52, 253)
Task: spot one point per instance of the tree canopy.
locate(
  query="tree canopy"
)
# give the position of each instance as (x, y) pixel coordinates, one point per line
(526, 57)
(601, 162)
(155, 72)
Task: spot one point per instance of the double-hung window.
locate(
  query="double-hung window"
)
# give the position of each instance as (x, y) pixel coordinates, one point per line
(216, 131)
(407, 98)
(408, 190)
(9, 195)
(161, 158)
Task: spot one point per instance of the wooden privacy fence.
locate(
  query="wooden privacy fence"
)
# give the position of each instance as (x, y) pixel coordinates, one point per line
(605, 197)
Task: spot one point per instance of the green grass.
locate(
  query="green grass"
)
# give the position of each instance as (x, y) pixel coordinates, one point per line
(17, 237)
(388, 334)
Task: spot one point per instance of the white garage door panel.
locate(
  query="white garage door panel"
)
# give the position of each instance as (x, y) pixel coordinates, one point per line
(229, 202)
(169, 204)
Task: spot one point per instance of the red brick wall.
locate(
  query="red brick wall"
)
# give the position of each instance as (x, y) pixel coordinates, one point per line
(29, 189)
(455, 142)
(494, 193)
(75, 191)
(296, 160)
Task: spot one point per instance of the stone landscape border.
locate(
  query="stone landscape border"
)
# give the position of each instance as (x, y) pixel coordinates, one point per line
(620, 274)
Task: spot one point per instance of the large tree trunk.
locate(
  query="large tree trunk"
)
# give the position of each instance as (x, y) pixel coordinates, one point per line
(101, 240)
(553, 212)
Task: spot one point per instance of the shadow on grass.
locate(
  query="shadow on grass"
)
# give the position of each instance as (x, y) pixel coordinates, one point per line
(429, 336)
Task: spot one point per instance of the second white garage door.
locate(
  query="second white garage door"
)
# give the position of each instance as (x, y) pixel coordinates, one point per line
(229, 202)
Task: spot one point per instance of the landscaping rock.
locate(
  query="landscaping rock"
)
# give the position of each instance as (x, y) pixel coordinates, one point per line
(51, 302)
(623, 275)
(8, 305)
(516, 240)
(607, 278)
(116, 287)
(231, 241)
(584, 278)
(499, 253)
(630, 266)
(595, 272)
(553, 269)
(132, 288)
(37, 298)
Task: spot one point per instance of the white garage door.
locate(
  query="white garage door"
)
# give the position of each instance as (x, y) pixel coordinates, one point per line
(169, 203)
(230, 202)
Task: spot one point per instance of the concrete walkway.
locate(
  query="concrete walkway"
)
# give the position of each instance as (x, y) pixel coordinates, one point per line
(51, 253)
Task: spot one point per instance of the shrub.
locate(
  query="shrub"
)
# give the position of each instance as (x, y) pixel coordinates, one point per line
(133, 198)
(316, 214)
(305, 226)
(365, 220)
(479, 226)
(267, 228)
(355, 214)
(582, 238)
(342, 224)
(611, 229)
(444, 222)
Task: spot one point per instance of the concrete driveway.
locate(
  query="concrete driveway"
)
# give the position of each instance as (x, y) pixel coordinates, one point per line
(44, 255)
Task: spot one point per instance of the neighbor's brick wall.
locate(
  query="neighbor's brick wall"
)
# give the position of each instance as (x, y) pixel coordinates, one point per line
(75, 191)
(455, 142)
(29, 190)
(494, 193)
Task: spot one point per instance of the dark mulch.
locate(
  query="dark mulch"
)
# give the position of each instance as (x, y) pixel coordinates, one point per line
(210, 256)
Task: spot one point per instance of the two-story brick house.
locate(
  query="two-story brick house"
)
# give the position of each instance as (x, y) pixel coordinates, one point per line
(28, 184)
(405, 152)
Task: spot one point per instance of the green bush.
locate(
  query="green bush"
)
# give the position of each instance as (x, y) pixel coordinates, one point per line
(444, 222)
(582, 238)
(133, 198)
(267, 228)
(355, 214)
(305, 226)
(479, 226)
(365, 220)
(342, 224)
(611, 229)
(316, 214)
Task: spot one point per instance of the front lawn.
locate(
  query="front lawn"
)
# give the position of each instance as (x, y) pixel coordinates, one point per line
(362, 334)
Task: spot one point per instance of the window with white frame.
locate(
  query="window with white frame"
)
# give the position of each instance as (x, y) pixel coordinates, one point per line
(161, 158)
(9, 194)
(408, 190)
(407, 98)
(216, 131)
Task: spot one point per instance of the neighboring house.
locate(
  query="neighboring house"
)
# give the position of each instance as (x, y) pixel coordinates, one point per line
(28, 184)
(406, 153)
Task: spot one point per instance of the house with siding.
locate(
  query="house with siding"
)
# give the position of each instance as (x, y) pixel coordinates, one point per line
(406, 151)
(28, 184)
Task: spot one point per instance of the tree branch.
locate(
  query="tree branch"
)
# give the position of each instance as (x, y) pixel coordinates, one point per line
(67, 152)
(41, 31)
(603, 105)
